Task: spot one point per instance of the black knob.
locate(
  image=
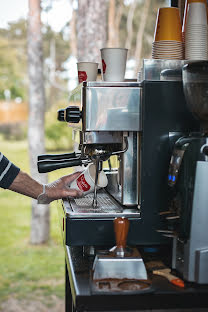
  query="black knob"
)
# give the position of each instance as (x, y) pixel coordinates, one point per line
(73, 114)
(205, 150)
(60, 115)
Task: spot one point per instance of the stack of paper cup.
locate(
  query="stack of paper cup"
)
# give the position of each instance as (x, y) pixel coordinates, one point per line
(185, 14)
(168, 36)
(207, 27)
(196, 32)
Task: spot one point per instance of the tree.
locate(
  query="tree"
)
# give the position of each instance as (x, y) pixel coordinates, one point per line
(129, 24)
(91, 29)
(73, 34)
(140, 34)
(114, 18)
(40, 213)
(12, 60)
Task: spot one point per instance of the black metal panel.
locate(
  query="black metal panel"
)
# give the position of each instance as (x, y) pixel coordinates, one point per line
(88, 232)
(164, 112)
(96, 232)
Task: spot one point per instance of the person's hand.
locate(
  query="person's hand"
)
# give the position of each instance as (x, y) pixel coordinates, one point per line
(59, 189)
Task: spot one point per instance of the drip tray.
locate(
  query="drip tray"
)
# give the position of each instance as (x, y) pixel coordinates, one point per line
(107, 206)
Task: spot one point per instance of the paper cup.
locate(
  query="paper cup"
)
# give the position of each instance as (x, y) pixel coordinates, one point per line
(197, 14)
(85, 182)
(87, 71)
(168, 25)
(113, 64)
(186, 10)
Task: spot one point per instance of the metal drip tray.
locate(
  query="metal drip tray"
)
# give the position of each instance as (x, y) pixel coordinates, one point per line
(105, 204)
(107, 207)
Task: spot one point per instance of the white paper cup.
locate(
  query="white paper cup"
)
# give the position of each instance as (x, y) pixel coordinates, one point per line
(113, 63)
(196, 14)
(87, 71)
(85, 182)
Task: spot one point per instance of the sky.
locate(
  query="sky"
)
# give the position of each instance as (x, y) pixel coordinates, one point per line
(12, 10)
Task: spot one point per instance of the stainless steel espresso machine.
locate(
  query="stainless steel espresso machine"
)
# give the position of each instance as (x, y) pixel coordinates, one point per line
(129, 129)
(147, 139)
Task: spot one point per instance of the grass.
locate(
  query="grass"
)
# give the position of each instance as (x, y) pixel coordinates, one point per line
(27, 271)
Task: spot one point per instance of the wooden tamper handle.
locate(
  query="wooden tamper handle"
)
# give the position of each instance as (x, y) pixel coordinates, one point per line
(121, 228)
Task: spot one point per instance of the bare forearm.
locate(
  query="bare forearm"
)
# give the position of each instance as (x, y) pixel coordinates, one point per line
(60, 188)
(25, 185)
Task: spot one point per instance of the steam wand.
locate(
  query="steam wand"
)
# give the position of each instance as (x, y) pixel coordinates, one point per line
(98, 157)
(97, 169)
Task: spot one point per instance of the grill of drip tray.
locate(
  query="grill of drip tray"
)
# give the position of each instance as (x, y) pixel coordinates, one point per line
(107, 206)
(104, 204)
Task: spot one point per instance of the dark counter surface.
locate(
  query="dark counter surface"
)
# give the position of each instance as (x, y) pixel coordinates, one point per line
(161, 295)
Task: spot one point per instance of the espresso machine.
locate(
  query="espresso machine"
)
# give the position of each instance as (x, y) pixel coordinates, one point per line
(188, 176)
(129, 129)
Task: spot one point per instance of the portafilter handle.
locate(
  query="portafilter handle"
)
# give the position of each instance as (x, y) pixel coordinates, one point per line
(51, 162)
(51, 165)
(57, 156)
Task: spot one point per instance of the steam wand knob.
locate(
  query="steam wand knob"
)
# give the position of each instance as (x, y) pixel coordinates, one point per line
(73, 114)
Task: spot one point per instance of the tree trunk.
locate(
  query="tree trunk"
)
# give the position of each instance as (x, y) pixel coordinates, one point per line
(111, 25)
(73, 35)
(139, 39)
(129, 25)
(91, 29)
(114, 18)
(119, 12)
(40, 213)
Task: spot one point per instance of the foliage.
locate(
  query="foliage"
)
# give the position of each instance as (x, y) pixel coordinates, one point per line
(13, 50)
(13, 131)
(12, 70)
(58, 134)
(149, 28)
(61, 44)
(13, 58)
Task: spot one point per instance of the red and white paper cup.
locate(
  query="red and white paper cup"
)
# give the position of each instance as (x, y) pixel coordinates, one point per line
(113, 63)
(85, 182)
(87, 71)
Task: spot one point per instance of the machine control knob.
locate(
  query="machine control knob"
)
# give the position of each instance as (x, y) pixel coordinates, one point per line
(204, 149)
(73, 114)
(60, 114)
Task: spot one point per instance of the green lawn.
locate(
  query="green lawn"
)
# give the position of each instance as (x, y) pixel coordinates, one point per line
(27, 270)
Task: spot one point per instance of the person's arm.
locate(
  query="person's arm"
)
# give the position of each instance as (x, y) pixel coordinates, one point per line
(8, 172)
(12, 178)
(25, 185)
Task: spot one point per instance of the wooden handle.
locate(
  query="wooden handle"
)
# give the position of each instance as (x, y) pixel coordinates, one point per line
(121, 227)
